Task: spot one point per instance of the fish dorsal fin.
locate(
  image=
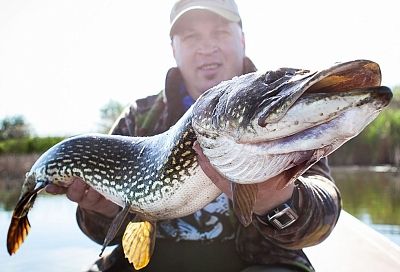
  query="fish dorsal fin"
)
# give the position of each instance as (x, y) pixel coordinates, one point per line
(138, 242)
(244, 198)
(115, 226)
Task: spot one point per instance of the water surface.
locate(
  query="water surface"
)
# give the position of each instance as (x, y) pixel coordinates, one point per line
(54, 243)
(373, 196)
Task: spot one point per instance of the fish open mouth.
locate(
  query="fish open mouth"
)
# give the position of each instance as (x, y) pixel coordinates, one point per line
(357, 76)
(352, 78)
(347, 76)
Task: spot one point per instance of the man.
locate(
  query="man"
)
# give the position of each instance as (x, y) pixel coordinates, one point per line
(208, 45)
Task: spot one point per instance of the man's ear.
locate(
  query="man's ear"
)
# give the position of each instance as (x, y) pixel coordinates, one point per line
(243, 42)
(173, 47)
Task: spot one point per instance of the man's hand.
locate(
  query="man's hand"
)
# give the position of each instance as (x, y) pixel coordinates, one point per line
(268, 196)
(86, 197)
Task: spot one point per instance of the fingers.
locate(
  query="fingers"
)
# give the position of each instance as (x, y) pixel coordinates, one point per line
(201, 158)
(106, 207)
(77, 190)
(83, 194)
(197, 148)
(55, 190)
(89, 199)
(94, 201)
(86, 197)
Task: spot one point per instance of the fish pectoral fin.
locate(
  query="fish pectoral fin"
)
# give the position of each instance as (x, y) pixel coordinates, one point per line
(244, 198)
(115, 226)
(138, 242)
(291, 174)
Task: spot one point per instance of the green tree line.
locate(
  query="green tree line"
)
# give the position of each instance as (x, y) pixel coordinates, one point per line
(16, 134)
(27, 145)
(15, 137)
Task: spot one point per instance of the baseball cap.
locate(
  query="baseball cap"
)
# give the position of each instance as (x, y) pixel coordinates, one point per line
(225, 8)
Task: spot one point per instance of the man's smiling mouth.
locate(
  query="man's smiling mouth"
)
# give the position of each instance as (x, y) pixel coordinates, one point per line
(209, 66)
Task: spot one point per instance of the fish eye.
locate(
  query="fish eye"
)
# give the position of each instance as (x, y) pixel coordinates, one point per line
(280, 74)
(272, 76)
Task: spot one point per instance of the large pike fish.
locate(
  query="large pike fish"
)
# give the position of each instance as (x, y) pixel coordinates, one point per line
(251, 128)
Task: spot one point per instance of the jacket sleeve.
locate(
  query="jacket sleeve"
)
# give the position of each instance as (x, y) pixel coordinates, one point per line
(318, 205)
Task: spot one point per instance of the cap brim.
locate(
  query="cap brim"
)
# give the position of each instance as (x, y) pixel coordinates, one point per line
(221, 12)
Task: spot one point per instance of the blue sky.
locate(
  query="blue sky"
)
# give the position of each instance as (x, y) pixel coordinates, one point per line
(61, 61)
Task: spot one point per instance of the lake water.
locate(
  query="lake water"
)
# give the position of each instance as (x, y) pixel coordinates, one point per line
(55, 243)
(373, 197)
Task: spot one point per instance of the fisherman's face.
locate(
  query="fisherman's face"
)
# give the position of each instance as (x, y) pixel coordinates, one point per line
(207, 49)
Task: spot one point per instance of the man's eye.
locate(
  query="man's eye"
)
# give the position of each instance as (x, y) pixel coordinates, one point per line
(189, 37)
(222, 32)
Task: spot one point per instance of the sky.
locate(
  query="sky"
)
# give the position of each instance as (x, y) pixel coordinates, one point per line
(61, 61)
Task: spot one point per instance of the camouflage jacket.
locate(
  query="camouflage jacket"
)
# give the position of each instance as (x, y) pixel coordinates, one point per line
(318, 206)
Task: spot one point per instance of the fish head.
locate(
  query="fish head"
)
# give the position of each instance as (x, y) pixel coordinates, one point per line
(245, 101)
(289, 112)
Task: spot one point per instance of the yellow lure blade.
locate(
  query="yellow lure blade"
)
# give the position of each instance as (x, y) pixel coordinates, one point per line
(138, 243)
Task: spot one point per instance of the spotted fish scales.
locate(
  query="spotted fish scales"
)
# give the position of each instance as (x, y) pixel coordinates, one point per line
(131, 170)
(251, 128)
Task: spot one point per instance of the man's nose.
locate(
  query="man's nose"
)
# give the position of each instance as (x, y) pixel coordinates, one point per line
(207, 46)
